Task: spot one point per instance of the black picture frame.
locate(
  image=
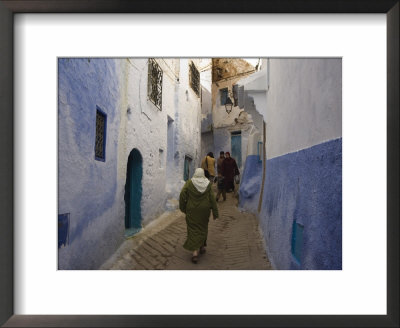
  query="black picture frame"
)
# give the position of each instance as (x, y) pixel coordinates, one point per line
(7, 10)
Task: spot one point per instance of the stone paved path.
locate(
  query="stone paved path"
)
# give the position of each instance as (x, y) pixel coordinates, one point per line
(234, 243)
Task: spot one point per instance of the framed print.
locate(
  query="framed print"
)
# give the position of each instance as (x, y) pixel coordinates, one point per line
(43, 50)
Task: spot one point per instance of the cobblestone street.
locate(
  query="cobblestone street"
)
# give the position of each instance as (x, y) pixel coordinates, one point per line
(234, 243)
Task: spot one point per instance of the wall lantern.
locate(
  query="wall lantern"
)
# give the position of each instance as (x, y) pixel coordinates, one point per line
(228, 105)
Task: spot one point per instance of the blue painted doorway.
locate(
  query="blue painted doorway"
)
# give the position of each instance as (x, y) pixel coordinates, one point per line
(133, 193)
(236, 147)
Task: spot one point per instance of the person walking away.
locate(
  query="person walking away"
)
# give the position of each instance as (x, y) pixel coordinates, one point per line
(197, 200)
(229, 169)
(208, 165)
(220, 177)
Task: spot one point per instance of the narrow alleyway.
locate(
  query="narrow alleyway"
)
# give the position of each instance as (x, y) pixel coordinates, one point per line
(234, 243)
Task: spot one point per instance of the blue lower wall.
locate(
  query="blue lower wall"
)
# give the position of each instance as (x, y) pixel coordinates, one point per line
(251, 179)
(304, 187)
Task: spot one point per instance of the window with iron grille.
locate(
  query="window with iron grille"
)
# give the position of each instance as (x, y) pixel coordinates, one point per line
(100, 143)
(154, 83)
(194, 79)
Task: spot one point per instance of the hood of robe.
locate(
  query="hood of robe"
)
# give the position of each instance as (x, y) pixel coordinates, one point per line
(199, 180)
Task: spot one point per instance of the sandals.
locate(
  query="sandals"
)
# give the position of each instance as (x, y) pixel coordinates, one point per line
(195, 257)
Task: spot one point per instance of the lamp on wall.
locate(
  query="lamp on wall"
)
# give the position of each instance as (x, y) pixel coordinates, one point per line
(228, 105)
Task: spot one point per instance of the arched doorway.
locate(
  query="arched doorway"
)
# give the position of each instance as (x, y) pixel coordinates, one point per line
(133, 193)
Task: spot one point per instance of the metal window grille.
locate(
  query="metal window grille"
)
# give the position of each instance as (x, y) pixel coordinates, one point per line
(194, 79)
(100, 143)
(154, 83)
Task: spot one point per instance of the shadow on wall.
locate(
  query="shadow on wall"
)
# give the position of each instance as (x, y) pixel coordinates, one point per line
(207, 123)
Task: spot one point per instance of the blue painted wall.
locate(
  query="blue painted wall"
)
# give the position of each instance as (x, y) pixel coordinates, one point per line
(87, 187)
(249, 192)
(306, 187)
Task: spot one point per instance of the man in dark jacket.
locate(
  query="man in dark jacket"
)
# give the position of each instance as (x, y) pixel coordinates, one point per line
(229, 169)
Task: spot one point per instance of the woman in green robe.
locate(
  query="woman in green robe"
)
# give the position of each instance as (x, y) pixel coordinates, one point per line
(196, 201)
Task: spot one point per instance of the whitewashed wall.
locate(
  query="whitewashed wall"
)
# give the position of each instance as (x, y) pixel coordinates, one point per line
(313, 88)
(146, 130)
(220, 116)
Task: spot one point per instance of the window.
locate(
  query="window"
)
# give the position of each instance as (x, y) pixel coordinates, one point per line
(100, 143)
(297, 240)
(154, 83)
(224, 95)
(186, 168)
(194, 79)
(240, 96)
(160, 157)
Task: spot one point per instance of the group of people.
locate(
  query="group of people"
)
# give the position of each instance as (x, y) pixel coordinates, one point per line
(197, 198)
(227, 169)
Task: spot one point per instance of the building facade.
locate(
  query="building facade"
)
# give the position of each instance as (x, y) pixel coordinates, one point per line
(129, 136)
(223, 131)
(294, 184)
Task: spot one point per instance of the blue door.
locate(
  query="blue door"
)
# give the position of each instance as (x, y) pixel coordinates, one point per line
(133, 193)
(236, 146)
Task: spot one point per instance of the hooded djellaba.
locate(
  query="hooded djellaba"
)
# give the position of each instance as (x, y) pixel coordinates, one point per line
(197, 200)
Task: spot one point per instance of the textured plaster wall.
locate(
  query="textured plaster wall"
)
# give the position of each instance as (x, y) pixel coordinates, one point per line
(304, 163)
(305, 186)
(305, 98)
(87, 188)
(207, 144)
(229, 67)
